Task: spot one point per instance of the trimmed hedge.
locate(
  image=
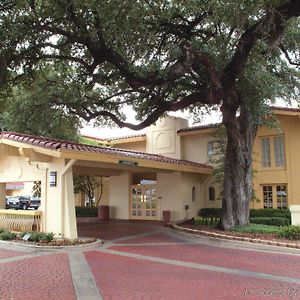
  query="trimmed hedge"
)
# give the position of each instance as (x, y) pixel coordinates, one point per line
(276, 221)
(210, 212)
(86, 211)
(270, 213)
(254, 213)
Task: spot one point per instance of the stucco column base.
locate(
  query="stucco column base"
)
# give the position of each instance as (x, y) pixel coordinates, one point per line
(295, 213)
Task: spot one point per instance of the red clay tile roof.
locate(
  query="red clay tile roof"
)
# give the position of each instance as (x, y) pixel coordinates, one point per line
(127, 137)
(115, 138)
(208, 126)
(58, 145)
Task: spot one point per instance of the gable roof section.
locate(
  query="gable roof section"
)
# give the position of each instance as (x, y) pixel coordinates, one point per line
(68, 149)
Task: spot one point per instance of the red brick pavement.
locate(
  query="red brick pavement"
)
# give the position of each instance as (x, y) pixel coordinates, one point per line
(153, 238)
(116, 229)
(131, 279)
(265, 262)
(41, 278)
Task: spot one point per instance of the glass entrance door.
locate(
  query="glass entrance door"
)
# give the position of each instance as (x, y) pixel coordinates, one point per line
(143, 204)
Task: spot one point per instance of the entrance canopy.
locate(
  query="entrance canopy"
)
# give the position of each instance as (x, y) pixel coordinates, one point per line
(32, 158)
(39, 149)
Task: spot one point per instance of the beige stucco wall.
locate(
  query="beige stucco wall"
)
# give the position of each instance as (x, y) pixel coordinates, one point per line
(162, 137)
(119, 196)
(174, 191)
(194, 147)
(57, 203)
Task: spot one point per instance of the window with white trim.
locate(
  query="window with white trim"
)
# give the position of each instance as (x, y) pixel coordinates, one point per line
(265, 152)
(279, 151)
(268, 196)
(275, 196)
(281, 195)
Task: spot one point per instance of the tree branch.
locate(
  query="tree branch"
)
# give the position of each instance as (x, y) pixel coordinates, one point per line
(287, 56)
(269, 27)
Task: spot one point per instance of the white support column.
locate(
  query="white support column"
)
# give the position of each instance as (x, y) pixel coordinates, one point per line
(295, 214)
(2, 195)
(69, 216)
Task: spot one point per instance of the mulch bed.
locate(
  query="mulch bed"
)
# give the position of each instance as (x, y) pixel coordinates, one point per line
(57, 242)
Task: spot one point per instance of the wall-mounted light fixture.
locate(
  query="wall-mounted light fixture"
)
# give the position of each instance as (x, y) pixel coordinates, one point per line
(53, 178)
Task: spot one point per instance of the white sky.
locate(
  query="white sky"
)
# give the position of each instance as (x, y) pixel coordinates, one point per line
(130, 114)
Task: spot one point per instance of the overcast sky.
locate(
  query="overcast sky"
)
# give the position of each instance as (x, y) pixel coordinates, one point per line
(118, 132)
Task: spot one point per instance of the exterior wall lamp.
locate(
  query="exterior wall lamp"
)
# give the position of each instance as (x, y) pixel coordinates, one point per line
(53, 178)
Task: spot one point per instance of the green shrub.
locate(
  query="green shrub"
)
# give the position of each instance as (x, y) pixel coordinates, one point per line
(270, 213)
(206, 221)
(7, 235)
(257, 228)
(210, 212)
(276, 221)
(2, 230)
(290, 232)
(39, 236)
(86, 211)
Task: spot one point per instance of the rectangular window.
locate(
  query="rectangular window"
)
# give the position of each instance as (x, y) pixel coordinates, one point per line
(210, 148)
(265, 152)
(279, 151)
(281, 196)
(268, 196)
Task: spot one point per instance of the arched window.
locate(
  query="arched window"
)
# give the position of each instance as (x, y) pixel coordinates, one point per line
(211, 193)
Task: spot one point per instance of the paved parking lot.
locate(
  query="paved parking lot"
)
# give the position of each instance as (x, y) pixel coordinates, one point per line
(148, 261)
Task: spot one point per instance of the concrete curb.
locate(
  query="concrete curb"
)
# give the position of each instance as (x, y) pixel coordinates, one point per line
(233, 238)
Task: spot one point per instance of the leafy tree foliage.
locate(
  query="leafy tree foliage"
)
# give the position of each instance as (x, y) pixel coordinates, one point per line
(161, 56)
(30, 107)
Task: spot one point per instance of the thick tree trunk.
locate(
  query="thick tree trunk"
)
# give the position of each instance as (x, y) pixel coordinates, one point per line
(237, 190)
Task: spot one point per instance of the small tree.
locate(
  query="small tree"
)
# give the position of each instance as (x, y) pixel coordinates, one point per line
(88, 185)
(36, 189)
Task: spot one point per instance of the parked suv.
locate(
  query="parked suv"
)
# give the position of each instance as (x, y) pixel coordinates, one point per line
(35, 202)
(20, 202)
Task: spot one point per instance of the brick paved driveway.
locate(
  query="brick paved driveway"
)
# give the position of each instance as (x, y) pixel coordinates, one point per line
(148, 261)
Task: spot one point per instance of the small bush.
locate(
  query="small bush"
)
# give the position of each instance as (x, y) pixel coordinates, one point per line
(257, 228)
(290, 232)
(206, 221)
(7, 235)
(270, 213)
(2, 230)
(276, 221)
(86, 211)
(39, 236)
(210, 212)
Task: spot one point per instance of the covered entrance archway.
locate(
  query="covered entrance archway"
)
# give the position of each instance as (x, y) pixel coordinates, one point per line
(53, 162)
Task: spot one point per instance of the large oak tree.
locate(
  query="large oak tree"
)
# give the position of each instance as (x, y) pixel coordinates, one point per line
(159, 56)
